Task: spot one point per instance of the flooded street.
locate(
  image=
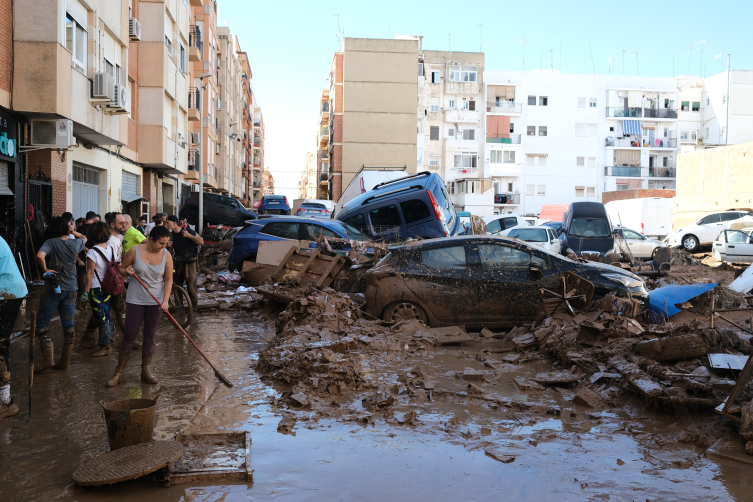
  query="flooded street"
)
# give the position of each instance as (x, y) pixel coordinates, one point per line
(572, 454)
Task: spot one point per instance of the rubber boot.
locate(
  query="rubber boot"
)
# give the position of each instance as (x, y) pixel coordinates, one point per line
(137, 343)
(117, 378)
(8, 410)
(65, 356)
(146, 374)
(45, 345)
(89, 340)
(104, 350)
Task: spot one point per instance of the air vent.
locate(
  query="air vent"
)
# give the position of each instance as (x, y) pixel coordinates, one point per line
(134, 29)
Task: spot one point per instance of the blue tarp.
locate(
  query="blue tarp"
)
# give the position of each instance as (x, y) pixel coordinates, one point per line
(631, 127)
(663, 300)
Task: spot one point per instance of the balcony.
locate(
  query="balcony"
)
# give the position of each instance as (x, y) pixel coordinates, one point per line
(256, 184)
(462, 116)
(323, 179)
(257, 123)
(623, 171)
(660, 113)
(638, 142)
(514, 139)
(257, 142)
(508, 198)
(194, 165)
(504, 107)
(194, 104)
(662, 172)
(324, 135)
(505, 169)
(197, 3)
(195, 46)
(623, 112)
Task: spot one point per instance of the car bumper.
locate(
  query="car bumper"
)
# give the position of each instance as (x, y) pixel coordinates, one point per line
(673, 240)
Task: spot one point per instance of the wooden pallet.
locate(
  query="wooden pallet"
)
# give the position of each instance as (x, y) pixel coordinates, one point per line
(309, 267)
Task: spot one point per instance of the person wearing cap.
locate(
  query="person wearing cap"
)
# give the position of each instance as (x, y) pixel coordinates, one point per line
(185, 244)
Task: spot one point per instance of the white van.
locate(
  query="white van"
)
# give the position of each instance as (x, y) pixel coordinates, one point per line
(652, 217)
(364, 181)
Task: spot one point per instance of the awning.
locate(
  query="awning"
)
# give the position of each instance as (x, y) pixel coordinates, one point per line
(580, 187)
(128, 198)
(631, 127)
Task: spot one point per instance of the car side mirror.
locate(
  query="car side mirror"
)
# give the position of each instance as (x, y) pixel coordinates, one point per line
(535, 266)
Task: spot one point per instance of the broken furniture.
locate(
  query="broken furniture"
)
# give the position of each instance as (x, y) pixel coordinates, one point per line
(211, 457)
(129, 462)
(577, 293)
(308, 267)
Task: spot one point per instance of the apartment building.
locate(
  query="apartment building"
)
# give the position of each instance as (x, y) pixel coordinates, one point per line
(259, 177)
(230, 115)
(247, 125)
(310, 177)
(322, 148)
(555, 138)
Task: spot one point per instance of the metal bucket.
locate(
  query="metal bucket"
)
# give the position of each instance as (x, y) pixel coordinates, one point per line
(129, 421)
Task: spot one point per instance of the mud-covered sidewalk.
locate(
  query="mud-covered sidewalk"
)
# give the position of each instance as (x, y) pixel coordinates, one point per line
(427, 448)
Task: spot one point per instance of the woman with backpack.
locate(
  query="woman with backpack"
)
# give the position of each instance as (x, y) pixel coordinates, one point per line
(97, 260)
(151, 262)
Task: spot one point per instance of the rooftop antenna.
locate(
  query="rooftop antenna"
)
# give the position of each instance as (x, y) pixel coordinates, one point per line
(551, 60)
(560, 39)
(611, 62)
(541, 63)
(481, 37)
(623, 62)
(340, 32)
(635, 55)
(523, 41)
(702, 43)
(449, 45)
(592, 55)
(690, 55)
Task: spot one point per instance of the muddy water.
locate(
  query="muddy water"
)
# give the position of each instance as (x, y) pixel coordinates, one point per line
(588, 456)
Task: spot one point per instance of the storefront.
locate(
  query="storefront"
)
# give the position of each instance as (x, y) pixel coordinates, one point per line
(12, 198)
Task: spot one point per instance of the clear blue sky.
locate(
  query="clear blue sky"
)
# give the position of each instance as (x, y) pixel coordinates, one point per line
(291, 43)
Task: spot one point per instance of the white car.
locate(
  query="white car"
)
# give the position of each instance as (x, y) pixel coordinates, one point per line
(734, 246)
(499, 222)
(543, 237)
(705, 230)
(639, 245)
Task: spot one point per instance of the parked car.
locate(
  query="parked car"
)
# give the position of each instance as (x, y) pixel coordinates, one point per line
(651, 217)
(734, 246)
(466, 223)
(498, 222)
(586, 228)
(364, 181)
(640, 246)
(274, 204)
(704, 231)
(279, 228)
(543, 237)
(328, 204)
(554, 225)
(410, 207)
(218, 210)
(480, 281)
(314, 210)
(213, 235)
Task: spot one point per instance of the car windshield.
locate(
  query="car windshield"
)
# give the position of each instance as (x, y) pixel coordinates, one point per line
(352, 233)
(529, 234)
(589, 227)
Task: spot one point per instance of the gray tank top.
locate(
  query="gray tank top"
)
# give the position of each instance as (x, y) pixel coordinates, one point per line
(152, 275)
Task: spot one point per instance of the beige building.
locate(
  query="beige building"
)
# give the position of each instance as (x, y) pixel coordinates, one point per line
(716, 179)
(230, 158)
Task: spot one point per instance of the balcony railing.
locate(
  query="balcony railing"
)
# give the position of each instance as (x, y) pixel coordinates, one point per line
(622, 111)
(324, 155)
(325, 107)
(257, 141)
(503, 107)
(256, 184)
(194, 39)
(626, 171)
(514, 139)
(194, 98)
(662, 172)
(638, 142)
(257, 123)
(507, 198)
(194, 160)
(660, 113)
(323, 178)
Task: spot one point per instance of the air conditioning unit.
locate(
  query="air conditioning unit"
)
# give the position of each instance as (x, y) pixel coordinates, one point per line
(52, 133)
(181, 141)
(219, 104)
(103, 88)
(120, 101)
(195, 137)
(134, 29)
(218, 149)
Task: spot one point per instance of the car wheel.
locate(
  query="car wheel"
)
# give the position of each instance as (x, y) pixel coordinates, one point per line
(193, 217)
(690, 243)
(405, 311)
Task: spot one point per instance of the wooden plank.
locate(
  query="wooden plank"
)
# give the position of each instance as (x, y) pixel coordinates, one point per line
(283, 262)
(637, 378)
(316, 254)
(331, 267)
(742, 381)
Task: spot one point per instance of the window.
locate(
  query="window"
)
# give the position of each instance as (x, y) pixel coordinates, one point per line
(543, 100)
(509, 157)
(472, 105)
(591, 161)
(182, 60)
(434, 132)
(434, 160)
(169, 45)
(452, 104)
(621, 187)
(685, 106)
(683, 135)
(580, 130)
(531, 131)
(76, 42)
(420, 156)
(693, 135)
(414, 210)
(581, 102)
(542, 130)
(530, 162)
(707, 101)
(509, 187)
(435, 104)
(465, 160)
(579, 192)
(712, 218)
(724, 98)
(592, 102)
(281, 230)
(631, 234)
(591, 191)
(532, 100)
(497, 257)
(591, 130)
(541, 190)
(495, 157)
(530, 188)
(358, 222)
(696, 106)
(435, 77)
(463, 73)
(384, 218)
(512, 128)
(451, 132)
(542, 161)
(465, 104)
(314, 232)
(530, 234)
(469, 134)
(449, 258)
(420, 69)
(666, 132)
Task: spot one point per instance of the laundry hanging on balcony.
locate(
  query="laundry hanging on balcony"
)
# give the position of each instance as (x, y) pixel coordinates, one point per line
(631, 127)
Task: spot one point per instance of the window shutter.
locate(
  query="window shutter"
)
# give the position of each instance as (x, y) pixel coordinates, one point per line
(581, 102)
(591, 130)
(168, 27)
(471, 105)
(77, 12)
(112, 50)
(580, 130)
(4, 179)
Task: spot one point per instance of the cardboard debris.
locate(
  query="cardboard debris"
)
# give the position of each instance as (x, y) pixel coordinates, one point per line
(499, 456)
(469, 374)
(556, 377)
(590, 398)
(525, 384)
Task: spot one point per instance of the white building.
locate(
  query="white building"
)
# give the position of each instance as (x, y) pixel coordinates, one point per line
(554, 138)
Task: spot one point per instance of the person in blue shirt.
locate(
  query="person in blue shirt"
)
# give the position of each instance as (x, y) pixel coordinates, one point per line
(12, 293)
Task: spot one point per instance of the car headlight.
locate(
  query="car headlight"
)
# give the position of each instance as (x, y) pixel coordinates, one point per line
(624, 280)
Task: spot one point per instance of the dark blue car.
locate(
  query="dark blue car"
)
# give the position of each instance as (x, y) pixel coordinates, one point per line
(274, 204)
(410, 207)
(280, 228)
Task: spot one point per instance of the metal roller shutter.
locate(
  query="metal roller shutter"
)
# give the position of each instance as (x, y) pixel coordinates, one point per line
(130, 186)
(4, 181)
(85, 190)
(78, 12)
(111, 48)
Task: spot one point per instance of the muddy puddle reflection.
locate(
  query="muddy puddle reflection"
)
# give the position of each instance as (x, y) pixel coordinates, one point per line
(577, 455)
